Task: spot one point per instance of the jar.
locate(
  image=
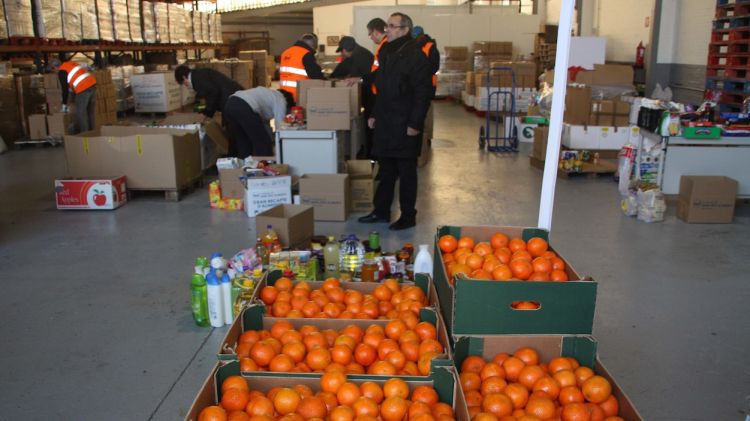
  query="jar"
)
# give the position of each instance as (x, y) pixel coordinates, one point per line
(370, 270)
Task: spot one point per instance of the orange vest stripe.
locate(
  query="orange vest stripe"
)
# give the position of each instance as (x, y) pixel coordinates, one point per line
(376, 63)
(426, 50)
(292, 69)
(79, 79)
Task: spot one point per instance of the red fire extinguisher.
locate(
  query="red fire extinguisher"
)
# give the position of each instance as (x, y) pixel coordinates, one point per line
(640, 52)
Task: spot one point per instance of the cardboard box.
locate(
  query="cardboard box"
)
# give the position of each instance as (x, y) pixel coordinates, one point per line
(263, 193)
(304, 85)
(456, 53)
(706, 199)
(231, 185)
(619, 75)
(582, 348)
(97, 193)
(565, 307)
(52, 81)
(150, 158)
(58, 124)
(37, 126)
(329, 109)
(328, 194)
(361, 184)
(577, 105)
(294, 224)
(355, 96)
(539, 151)
(156, 92)
(595, 137)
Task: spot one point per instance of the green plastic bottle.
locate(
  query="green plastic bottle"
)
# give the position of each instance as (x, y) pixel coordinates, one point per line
(199, 300)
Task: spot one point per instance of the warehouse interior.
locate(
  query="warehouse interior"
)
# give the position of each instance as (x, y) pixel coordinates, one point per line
(652, 214)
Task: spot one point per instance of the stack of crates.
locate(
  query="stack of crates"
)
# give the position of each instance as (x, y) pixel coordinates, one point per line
(729, 54)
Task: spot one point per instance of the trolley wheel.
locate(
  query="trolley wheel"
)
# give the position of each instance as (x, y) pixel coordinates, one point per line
(482, 139)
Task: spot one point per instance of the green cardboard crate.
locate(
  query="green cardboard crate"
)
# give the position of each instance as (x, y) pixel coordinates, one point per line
(481, 307)
(443, 380)
(581, 347)
(701, 132)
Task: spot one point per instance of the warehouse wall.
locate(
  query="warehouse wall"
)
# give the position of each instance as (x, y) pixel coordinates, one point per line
(338, 20)
(282, 36)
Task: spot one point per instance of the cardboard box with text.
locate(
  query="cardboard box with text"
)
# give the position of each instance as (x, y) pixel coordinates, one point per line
(328, 194)
(706, 199)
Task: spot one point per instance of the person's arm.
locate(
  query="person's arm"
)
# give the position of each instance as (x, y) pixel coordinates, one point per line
(420, 79)
(362, 64)
(312, 67)
(434, 58)
(342, 69)
(211, 93)
(279, 111)
(63, 76)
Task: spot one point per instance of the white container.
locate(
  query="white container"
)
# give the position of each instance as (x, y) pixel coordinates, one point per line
(215, 301)
(423, 262)
(226, 298)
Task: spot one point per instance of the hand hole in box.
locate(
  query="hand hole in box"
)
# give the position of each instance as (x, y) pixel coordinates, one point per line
(526, 305)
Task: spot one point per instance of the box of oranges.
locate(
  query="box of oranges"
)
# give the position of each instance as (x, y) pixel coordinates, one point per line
(408, 346)
(509, 280)
(229, 393)
(542, 376)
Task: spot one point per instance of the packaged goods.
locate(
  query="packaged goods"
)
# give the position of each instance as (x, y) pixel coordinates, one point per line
(175, 21)
(19, 19)
(89, 21)
(134, 20)
(48, 18)
(195, 18)
(205, 27)
(161, 20)
(104, 20)
(71, 20)
(120, 29)
(149, 24)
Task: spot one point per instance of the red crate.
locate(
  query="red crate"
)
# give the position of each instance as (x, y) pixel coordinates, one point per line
(726, 72)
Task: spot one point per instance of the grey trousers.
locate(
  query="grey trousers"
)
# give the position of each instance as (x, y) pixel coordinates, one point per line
(86, 109)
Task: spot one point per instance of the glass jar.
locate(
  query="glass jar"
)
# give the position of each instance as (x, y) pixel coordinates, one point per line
(369, 271)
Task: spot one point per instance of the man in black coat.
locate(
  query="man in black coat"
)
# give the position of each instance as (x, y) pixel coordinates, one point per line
(403, 82)
(208, 84)
(357, 60)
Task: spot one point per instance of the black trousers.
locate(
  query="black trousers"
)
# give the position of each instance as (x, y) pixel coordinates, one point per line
(404, 170)
(249, 134)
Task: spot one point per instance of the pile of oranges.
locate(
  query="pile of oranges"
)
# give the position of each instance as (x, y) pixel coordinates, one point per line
(521, 387)
(337, 400)
(331, 301)
(404, 346)
(501, 259)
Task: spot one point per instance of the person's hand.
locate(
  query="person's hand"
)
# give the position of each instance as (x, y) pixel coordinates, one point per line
(371, 122)
(412, 132)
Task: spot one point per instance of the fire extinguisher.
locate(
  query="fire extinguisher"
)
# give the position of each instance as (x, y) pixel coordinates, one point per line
(640, 52)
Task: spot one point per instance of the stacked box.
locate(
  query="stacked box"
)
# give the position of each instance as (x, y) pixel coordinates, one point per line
(48, 22)
(525, 73)
(260, 60)
(175, 21)
(156, 92)
(53, 93)
(161, 21)
(241, 71)
(455, 59)
(609, 113)
(19, 18)
(149, 24)
(485, 52)
(104, 20)
(205, 27)
(71, 20)
(123, 91)
(31, 98)
(89, 21)
(134, 20)
(10, 130)
(3, 24)
(450, 84)
(214, 23)
(120, 28)
(195, 19)
(187, 22)
(106, 98)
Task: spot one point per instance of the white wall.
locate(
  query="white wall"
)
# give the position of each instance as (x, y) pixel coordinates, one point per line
(694, 20)
(282, 36)
(338, 20)
(624, 24)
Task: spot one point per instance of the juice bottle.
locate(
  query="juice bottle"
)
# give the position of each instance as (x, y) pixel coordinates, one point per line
(351, 255)
(198, 298)
(331, 258)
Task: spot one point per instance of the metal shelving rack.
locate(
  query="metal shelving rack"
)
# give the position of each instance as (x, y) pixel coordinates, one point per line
(729, 54)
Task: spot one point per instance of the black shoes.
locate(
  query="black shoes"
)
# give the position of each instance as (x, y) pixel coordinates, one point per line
(372, 219)
(402, 224)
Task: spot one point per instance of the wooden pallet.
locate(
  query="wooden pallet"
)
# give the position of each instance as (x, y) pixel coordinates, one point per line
(170, 195)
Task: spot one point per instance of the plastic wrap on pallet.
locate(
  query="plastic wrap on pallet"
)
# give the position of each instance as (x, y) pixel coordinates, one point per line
(195, 19)
(104, 18)
(174, 23)
(134, 19)
(161, 21)
(71, 20)
(89, 21)
(3, 25)
(120, 27)
(19, 19)
(450, 84)
(215, 25)
(48, 20)
(187, 27)
(205, 27)
(149, 25)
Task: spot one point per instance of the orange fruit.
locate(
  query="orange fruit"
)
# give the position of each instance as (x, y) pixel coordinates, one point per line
(396, 387)
(457, 268)
(483, 249)
(565, 378)
(394, 408)
(426, 330)
(260, 406)
(235, 382)
(424, 363)
(302, 390)
(341, 354)
(470, 381)
(213, 413)
(497, 404)
(492, 369)
(529, 375)
(473, 398)
(570, 394)
(596, 389)
(575, 412)
(396, 359)
(525, 305)
(295, 350)
(466, 242)
(503, 254)
(610, 406)
(364, 354)
(473, 364)
(425, 394)
(537, 246)
(528, 355)
(395, 328)
(268, 295)
(484, 416)
(582, 374)
(492, 385)
(234, 399)
(558, 263)
(558, 276)
(331, 382)
(312, 407)
(541, 264)
(442, 409)
(342, 413)
(518, 394)
(281, 363)
(249, 337)
(516, 244)
(521, 269)
(447, 243)
(498, 240)
(502, 272)
(372, 391)
(286, 401)
(521, 255)
(539, 277)
(513, 367)
(348, 393)
(481, 274)
(540, 407)
(417, 408)
(382, 368)
(365, 407)
(500, 357)
(548, 386)
(559, 363)
(281, 308)
(247, 364)
(318, 358)
(430, 345)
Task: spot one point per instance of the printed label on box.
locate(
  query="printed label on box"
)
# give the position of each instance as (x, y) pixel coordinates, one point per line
(263, 193)
(91, 194)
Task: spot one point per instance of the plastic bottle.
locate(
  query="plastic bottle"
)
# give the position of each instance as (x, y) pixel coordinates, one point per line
(198, 299)
(226, 296)
(423, 262)
(202, 263)
(271, 240)
(331, 258)
(351, 255)
(261, 251)
(214, 300)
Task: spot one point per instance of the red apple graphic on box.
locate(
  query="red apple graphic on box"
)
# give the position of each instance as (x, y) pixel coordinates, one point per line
(100, 199)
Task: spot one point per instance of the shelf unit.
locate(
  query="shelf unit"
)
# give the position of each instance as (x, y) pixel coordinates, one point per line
(728, 65)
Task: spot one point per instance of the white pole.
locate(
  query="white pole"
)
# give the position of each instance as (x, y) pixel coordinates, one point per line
(556, 117)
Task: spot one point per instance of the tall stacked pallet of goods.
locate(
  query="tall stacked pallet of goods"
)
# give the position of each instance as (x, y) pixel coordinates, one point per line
(205, 27)
(485, 52)
(48, 22)
(187, 26)
(32, 99)
(215, 28)
(19, 19)
(161, 19)
(3, 24)
(728, 67)
(454, 63)
(10, 130)
(71, 20)
(89, 21)
(104, 20)
(260, 58)
(195, 19)
(175, 20)
(134, 20)
(120, 28)
(149, 23)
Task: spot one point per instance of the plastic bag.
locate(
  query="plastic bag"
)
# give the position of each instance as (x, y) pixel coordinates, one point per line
(629, 204)
(245, 260)
(651, 205)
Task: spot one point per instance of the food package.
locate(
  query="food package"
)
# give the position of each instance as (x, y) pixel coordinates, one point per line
(120, 27)
(49, 19)
(205, 28)
(89, 21)
(134, 19)
(19, 19)
(214, 24)
(195, 18)
(161, 19)
(175, 20)
(71, 20)
(149, 24)
(104, 18)
(187, 26)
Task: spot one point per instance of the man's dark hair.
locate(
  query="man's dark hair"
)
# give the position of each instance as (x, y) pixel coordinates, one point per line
(310, 39)
(180, 73)
(405, 20)
(376, 24)
(289, 99)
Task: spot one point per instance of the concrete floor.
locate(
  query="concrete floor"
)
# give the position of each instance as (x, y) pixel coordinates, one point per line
(96, 321)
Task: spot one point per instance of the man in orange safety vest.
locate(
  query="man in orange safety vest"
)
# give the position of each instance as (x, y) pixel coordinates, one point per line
(77, 78)
(429, 48)
(298, 63)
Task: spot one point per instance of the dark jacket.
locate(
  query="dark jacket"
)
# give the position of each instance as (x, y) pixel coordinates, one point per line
(214, 87)
(358, 65)
(433, 54)
(404, 93)
(310, 62)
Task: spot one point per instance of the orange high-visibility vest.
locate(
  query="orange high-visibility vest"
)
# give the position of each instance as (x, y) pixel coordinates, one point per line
(79, 79)
(376, 63)
(426, 50)
(292, 69)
